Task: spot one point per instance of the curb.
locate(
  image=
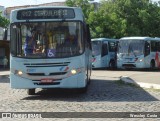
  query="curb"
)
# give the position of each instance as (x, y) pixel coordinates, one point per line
(140, 84)
(4, 73)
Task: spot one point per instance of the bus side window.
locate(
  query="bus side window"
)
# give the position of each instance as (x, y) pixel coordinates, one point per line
(112, 46)
(104, 50)
(147, 49)
(14, 37)
(158, 46)
(153, 46)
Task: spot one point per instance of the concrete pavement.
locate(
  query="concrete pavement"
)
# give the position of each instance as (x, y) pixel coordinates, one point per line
(145, 80)
(4, 72)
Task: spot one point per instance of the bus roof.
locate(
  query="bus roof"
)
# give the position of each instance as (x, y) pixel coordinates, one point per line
(140, 38)
(37, 7)
(103, 39)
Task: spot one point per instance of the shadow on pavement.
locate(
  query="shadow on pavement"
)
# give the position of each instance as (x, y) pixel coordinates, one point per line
(4, 79)
(140, 70)
(98, 91)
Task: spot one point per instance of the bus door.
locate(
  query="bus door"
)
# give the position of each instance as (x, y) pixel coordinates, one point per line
(147, 57)
(104, 54)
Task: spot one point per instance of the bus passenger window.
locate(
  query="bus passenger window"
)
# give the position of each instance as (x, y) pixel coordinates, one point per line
(158, 46)
(153, 46)
(147, 49)
(104, 50)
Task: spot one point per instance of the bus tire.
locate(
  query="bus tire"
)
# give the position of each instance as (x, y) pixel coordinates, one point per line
(152, 64)
(88, 78)
(89, 81)
(31, 91)
(112, 64)
(84, 89)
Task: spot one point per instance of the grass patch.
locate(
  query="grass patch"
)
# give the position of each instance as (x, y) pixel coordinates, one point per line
(152, 89)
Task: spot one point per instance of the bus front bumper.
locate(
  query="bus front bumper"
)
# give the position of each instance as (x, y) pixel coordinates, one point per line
(74, 81)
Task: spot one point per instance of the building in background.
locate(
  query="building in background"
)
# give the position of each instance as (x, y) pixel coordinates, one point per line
(4, 43)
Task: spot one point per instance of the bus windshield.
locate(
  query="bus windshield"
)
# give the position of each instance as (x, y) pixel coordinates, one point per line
(46, 39)
(96, 48)
(135, 47)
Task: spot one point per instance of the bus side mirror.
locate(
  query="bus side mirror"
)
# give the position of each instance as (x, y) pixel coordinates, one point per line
(5, 34)
(88, 34)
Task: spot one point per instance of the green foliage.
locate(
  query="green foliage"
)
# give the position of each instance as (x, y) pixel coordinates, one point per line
(3, 21)
(119, 18)
(84, 4)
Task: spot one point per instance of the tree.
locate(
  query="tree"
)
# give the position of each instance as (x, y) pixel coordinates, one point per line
(3, 21)
(119, 18)
(84, 4)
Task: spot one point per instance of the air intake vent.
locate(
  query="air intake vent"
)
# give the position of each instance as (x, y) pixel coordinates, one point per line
(54, 83)
(46, 64)
(36, 74)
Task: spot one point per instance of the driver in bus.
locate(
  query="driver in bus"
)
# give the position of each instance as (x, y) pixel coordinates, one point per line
(71, 39)
(30, 42)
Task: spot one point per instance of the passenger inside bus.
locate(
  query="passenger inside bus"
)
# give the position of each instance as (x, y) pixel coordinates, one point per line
(30, 42)
(43, 42)
(71, 39)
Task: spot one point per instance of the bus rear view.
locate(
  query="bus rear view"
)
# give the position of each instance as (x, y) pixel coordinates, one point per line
(48, 49)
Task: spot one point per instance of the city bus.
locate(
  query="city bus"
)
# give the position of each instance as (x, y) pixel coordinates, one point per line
(50, 48)
(103, 53)
(138, 52)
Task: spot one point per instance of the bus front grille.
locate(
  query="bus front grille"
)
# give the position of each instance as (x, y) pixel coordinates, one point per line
(50, 74)
(57, 73)
(129, 65)
(46, 64)
(36, 74)
(55, 83)
(38, 82)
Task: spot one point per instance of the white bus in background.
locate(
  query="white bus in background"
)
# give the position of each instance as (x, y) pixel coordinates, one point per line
(103, 53)
(63, 59)
(138, 52)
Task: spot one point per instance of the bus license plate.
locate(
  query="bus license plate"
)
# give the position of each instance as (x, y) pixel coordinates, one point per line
(46, 80)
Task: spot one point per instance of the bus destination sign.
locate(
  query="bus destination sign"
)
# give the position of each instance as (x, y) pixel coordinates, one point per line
(46, 13)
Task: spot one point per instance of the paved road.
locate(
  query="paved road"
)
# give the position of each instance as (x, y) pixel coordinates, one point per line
(104, 94)
(142, 78)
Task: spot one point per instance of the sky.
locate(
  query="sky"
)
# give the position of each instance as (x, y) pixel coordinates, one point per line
(11, 3)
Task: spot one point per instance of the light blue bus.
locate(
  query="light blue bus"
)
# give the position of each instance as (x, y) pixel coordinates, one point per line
(138, 52)
(103, 53)
(50, 48)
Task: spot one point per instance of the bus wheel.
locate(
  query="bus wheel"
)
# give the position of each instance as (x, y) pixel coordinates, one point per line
(152, 64)
(84, 89)
(88, 78)
(31, 91)
(89, 81)
(112, 64)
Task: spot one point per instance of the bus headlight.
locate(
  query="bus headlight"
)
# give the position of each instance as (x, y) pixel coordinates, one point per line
(140, 60)
(73, 71)
(18, 72)
(76, 71)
